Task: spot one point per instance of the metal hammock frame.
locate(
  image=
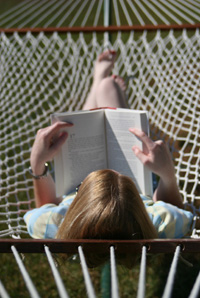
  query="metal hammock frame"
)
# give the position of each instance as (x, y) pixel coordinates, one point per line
(111, 247)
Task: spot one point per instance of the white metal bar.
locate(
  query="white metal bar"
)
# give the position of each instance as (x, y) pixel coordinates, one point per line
(106, 13)
(14, 12)
(100, 2)
(48, 12)
(61, 288)
(114, 280)
(155, 10)
(195, 2)
(151, 18)
(30, 286)
(26, 14)
(194, 8)
(116, 10)
(126, 13)
(88, 282)
(171, 276)
(142, 277)
(135, 11)
(57, 14)
(106, 21)
(173, 8)
(88, 13)
(68, 13)
(196, 288)
(167, 12)
(3, 292)
(79, 12)
(35, 15)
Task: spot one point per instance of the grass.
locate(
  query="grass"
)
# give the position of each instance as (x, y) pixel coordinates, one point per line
(157, 271)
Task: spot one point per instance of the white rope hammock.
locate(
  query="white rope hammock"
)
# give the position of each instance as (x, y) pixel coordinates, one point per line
(44, 74)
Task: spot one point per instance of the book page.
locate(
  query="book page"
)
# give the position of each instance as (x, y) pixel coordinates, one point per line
(83, 152)
(119, 146)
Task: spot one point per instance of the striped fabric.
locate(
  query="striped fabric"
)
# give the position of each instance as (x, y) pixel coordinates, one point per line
(169, 221)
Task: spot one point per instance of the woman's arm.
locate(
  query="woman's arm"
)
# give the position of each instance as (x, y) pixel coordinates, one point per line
(47, 144)
(157, 158)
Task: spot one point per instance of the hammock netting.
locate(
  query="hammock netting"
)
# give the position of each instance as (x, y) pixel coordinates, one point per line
(42, 74)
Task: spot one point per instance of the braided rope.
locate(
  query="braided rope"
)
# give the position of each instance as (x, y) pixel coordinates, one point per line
(47, 73)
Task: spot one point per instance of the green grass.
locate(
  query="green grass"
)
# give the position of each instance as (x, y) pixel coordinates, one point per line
(157, 271)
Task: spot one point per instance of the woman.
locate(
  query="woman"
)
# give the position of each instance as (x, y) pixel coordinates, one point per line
(107, 205)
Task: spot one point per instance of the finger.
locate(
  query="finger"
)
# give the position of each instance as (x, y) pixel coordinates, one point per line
(59, 141)
(160, 143)
(139, 154)
(142, 137)
(54, 128)
(162, 146)
(60, 124)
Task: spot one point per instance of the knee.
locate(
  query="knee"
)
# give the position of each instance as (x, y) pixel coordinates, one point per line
(106, 85)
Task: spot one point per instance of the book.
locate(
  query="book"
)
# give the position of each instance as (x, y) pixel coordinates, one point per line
(100, 139)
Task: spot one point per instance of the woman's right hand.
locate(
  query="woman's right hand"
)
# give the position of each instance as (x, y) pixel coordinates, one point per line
(156, 155)
(47, 143)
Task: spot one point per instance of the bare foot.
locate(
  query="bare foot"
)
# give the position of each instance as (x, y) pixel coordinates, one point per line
(120, 82)
(104, 65)
(102, 69)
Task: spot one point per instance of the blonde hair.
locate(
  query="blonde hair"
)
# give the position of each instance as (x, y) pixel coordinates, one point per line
(107, 206)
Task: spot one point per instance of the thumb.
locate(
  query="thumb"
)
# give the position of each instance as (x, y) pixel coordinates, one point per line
(139, 154)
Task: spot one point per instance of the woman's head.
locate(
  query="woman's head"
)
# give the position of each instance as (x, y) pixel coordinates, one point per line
(107, 206)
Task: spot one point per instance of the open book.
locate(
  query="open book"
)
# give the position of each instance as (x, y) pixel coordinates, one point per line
(100, 139)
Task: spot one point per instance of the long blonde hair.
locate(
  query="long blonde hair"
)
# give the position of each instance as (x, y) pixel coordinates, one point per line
(107, 206)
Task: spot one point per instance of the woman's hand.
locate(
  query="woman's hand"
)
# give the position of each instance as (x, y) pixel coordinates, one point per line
(156, 155)
(48, 142)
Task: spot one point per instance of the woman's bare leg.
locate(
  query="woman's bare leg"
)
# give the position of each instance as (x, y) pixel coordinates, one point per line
(111, 93)
(102, 69)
